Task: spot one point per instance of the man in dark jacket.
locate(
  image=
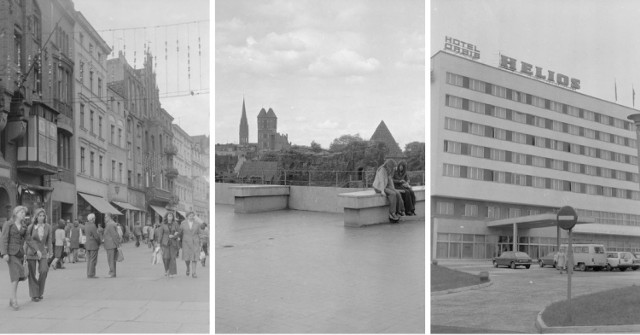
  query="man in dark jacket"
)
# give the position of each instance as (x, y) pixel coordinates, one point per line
(112, 241)
(92, 244)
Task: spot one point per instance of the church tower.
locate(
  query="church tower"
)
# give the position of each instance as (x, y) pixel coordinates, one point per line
(267, 129)
(244, 126)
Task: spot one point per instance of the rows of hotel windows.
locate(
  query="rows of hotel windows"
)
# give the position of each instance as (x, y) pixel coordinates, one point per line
(533, 120)
(538, 141)
(455, 245)
(532, 160)
(525, 98)
(498, 212)
(461, 171)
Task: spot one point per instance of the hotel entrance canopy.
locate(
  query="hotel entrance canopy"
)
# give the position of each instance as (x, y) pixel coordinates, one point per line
(584, 225)
(535, 221)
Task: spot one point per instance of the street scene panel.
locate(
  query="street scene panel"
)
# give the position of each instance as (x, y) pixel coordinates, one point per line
(534, 163)
(320, 167)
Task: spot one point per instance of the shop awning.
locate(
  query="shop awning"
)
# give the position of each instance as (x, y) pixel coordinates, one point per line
(126, 205)
(160, 210)
(100, 204)
(184, 215)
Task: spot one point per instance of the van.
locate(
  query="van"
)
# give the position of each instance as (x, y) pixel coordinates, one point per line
(588, 256)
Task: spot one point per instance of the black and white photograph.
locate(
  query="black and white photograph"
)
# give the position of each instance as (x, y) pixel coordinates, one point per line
(320, 166)
(104, 166)
(534, 167)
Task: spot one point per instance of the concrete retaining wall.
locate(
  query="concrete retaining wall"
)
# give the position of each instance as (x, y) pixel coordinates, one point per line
(304, 198)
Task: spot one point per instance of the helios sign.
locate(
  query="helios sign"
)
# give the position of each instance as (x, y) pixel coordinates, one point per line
(460, 47)
(537, 72)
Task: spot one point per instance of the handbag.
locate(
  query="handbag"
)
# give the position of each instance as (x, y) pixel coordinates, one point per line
(25, 265)
(120, 256)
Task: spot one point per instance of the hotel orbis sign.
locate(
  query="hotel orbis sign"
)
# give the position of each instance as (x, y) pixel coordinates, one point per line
(460, 47)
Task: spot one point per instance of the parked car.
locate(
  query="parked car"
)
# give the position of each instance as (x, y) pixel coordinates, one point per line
(636, 261)
(549, 259)
(512, 259)
(621, 260)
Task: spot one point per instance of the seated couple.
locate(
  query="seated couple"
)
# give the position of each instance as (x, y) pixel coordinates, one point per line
(393, 183)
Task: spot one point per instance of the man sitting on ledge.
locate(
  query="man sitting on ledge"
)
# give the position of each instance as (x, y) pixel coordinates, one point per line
(383, 184)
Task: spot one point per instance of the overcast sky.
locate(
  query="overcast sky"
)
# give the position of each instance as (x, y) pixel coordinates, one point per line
(327, 68)
(108, 17)
(594, 41)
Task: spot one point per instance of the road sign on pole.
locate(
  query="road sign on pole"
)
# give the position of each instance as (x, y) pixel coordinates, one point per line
(567, 219)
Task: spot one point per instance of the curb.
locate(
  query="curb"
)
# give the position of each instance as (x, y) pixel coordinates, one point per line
(461, 289)
(544, 329)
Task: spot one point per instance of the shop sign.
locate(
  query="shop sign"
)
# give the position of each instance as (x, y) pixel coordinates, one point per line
(537, 72)
(460, 47)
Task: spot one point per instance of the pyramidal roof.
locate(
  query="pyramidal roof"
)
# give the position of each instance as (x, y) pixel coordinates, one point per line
(382, 134)
(263, 113)
(243, 118)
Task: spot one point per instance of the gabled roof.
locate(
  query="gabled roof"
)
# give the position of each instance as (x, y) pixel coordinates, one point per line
(270, 113)
(259, 169)
(262, 113)
(382, 134)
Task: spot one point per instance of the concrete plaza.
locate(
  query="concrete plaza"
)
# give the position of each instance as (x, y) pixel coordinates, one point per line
(139, 300)
(304, 272)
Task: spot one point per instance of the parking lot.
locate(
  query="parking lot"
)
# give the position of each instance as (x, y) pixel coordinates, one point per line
(515, 298)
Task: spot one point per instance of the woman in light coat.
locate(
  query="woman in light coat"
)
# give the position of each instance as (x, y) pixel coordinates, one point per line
(191, 246)
(168, 236)
(383, 184)
(14, 233)
(39, 248)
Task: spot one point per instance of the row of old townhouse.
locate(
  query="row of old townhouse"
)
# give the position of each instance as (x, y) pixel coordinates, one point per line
(82, 133)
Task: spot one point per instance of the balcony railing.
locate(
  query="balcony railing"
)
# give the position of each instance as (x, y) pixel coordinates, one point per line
(328, 178)
(171, 150)
(171, 173)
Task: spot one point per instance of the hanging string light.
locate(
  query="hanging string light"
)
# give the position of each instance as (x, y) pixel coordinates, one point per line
(199, 55)
(124, 49)
(135, 42)
(166, 60)
(113, 41)
(178, 58)
(188, 59)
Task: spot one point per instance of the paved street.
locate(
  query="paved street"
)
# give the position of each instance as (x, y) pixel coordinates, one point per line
(304, 272)
(516, 297)
(139, 300)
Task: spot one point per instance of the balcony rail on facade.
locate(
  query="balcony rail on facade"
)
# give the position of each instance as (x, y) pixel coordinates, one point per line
(327, 178)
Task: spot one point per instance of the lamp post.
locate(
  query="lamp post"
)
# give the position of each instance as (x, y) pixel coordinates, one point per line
(636, 122)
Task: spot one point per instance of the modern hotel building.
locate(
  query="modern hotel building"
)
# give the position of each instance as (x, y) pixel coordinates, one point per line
(513, 143)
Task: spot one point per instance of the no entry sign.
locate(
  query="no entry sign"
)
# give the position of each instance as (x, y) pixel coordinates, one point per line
(567, 217)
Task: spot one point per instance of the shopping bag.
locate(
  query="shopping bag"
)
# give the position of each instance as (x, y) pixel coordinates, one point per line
(203, 256)
(120, 256)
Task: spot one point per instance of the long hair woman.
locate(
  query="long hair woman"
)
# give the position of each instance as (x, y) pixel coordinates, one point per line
(168, 239)
(39, 248)
(13, 238)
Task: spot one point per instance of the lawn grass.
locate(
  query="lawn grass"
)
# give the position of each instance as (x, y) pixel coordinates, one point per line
(445, 279)
(620, 306)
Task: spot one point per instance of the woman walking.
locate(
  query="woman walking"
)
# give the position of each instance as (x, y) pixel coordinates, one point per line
(13, 238)
(190, 235)
(168, 239)
(39, 248)
(58, 250)
(204, 241)
(74, 241)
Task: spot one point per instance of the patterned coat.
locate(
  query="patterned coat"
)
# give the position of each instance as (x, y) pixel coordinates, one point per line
(12, 240)
(190, 241)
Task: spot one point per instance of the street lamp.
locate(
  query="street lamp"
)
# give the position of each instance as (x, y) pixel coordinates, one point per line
(636, 122)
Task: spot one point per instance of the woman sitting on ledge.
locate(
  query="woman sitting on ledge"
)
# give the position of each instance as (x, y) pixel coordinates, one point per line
(383, 184)
(401, 183)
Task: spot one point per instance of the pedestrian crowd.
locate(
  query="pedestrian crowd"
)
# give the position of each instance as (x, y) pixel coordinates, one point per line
(32, 249)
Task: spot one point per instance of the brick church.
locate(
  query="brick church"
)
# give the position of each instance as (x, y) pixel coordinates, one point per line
(268, 136)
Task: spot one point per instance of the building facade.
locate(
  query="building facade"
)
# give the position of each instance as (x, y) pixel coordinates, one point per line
(182, 162)
(510, 147)
(91, 108)
(200, 177)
